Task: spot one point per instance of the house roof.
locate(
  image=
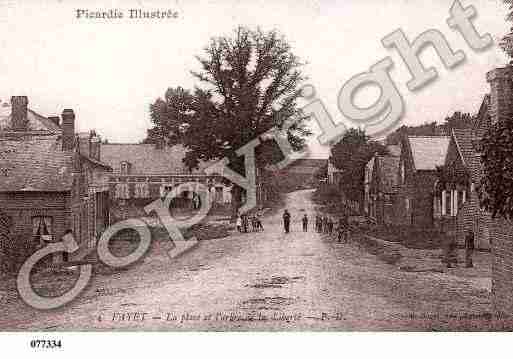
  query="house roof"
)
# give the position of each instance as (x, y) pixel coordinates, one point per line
(34, 165)
(388, 169)
(36, 122)
(471, 158)
(428, 151)
(306, 165)
(147, 159)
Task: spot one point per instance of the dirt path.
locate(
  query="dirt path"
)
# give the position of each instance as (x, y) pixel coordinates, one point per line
(266, 281)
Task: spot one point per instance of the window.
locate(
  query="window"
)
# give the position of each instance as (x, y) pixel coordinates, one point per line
(402, 172)
(448, 202)
(219, 195)
(42, 229)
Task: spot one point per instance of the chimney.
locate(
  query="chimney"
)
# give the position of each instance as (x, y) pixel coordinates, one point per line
(501, 94)
(55, 119)
(19, 119)
(160, 143)
(68, 130)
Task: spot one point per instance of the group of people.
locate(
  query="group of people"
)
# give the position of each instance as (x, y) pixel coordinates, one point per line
(323, 224)
(244, 221)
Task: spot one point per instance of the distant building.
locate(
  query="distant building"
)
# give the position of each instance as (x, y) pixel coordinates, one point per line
(417, 174)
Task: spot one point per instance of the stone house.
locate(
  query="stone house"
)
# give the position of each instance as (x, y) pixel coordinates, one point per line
(47, 185)
(382, 188)
(414, 202)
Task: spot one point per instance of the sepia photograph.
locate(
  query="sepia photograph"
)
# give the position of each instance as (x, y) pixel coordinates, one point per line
(255, 166)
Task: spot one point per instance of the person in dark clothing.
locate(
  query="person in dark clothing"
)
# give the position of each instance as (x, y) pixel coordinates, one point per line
(305, 223)
(469, 249)
(286, 221)
(318, 223)
(330, 225)
(451, 256)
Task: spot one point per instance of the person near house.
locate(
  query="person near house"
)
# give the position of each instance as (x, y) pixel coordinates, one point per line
(343, 229)
(260, 226)
(305, 223)
(317, 223)
(286, 221)
(330, 225)
(238, 223)
(469, 249)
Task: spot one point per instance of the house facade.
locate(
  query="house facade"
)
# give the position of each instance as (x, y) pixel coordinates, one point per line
(414, 202)
(48, 186)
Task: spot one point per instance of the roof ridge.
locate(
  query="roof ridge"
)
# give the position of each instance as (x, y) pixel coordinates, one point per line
(430, 136)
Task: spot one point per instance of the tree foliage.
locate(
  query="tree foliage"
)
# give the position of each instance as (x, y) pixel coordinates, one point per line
(456, 120)
(351, 154)
(248, 83)
(507, 41)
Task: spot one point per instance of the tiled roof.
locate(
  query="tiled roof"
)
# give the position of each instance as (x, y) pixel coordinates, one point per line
(388, 168)
(146, 159)
(471, 158)
(34, 165)
(428, 151)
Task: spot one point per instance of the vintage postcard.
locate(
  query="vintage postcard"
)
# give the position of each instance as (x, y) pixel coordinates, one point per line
(315, 165)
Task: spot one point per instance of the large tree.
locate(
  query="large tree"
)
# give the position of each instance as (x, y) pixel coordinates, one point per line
(248, 83)
(351, 154)
(496, 187)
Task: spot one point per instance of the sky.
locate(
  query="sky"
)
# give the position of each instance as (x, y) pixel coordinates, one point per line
(109, 71)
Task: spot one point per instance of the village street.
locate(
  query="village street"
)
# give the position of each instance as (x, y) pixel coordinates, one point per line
(266, 281)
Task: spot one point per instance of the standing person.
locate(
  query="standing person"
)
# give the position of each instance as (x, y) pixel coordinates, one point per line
(305, 223)
(239, 223)
(325, 224)
(330, 225)
(317, 222)
(259, 224)
(469, 249)
(286, 221)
